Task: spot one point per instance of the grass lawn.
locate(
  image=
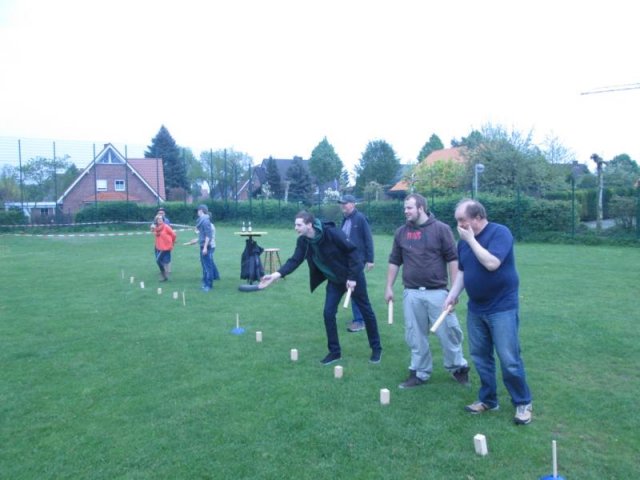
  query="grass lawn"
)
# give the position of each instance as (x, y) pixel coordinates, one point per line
(102, 379)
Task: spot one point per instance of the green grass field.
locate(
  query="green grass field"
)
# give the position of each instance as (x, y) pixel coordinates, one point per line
(102, 379)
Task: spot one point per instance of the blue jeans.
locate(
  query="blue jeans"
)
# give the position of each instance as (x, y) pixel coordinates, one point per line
(359, 296)
(357, 316)
(498, 331)
(209, 269)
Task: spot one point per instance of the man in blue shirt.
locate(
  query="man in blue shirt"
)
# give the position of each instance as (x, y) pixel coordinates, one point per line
(487, 271)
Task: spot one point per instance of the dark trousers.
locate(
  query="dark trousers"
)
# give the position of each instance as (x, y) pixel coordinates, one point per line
(359, 296)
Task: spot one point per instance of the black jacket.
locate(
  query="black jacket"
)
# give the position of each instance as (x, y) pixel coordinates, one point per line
(335, 251)
(360, 235)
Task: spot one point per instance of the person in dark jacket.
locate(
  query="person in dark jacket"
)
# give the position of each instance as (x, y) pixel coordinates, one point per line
(356, 227)
(331, 257)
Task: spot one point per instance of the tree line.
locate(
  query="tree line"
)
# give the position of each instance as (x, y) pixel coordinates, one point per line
(512, 164)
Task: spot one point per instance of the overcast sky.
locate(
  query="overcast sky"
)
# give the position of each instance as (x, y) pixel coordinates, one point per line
(273, 77)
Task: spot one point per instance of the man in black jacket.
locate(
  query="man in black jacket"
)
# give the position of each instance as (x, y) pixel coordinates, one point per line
(331, 257)
(356, 227)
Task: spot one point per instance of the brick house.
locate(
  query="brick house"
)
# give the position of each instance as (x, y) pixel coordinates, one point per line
(111, 177)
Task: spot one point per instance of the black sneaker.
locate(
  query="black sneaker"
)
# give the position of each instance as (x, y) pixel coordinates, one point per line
(376, 356)
(462, 375)
(412, 381)
(330, 358)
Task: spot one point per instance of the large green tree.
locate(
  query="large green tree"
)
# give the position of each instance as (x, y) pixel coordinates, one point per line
(512, 163)
(432, 145)
(45, 179)
(442, 177)
(621, 171)
(325, 164)
(225, 170)
(300, 185)
(273, 179)
(378, 163)
(175, 172)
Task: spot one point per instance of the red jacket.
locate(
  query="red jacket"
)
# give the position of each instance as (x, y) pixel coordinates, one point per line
(165, 237)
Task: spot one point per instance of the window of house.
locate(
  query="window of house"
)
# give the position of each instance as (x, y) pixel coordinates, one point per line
(44, 212)
(119, 185)
(101, 185)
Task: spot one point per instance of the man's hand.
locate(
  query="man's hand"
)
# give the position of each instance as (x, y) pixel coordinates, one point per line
(268, 280)
(388, 294)
(351, 285)
(466, 234)
(368, 266)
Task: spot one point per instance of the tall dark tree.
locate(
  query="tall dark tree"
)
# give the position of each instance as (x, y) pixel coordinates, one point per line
(325, 164)
(273, 179)
(300, 186)
(164, 146)
(432, 145)
(378, 163)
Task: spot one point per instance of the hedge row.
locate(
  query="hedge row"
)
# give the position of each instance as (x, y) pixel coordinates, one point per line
(524, 215)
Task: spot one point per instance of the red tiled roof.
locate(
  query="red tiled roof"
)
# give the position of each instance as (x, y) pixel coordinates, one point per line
(152, 170)
(455, 154)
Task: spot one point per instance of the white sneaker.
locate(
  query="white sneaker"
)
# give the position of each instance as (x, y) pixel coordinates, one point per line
(523, 414)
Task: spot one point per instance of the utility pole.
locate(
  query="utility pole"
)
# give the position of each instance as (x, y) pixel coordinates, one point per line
(600, 163)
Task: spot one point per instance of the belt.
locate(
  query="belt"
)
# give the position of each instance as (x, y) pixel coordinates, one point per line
(426, 288)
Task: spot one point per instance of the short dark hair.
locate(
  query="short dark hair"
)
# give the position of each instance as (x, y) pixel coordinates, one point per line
(306, 217)
(472, 208)
(419, 199)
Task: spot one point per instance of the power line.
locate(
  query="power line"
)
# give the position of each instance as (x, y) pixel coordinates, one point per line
(612, 88)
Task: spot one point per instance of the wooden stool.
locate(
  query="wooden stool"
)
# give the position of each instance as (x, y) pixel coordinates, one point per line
(271, 260)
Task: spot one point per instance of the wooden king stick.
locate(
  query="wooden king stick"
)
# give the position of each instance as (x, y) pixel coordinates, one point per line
(440, 319)
(390, 312)
(347, 298)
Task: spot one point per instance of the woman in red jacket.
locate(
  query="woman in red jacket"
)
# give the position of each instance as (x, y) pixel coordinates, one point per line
(165, 240)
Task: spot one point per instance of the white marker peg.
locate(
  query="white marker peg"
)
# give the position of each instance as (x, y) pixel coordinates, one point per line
(440, 319)
(347, 298)
(385, 396)
(337, 371)
(175, 295)
(141, 284)
(131, 280)
(294, 355)
(480, 443)
(258, 337)
(159, 290)
(122, 273)
(184, 300)
(390, 312)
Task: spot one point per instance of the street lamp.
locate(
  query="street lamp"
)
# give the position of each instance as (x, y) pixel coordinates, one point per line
(477, 169)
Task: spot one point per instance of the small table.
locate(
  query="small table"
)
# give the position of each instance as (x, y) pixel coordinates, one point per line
(250, 234)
